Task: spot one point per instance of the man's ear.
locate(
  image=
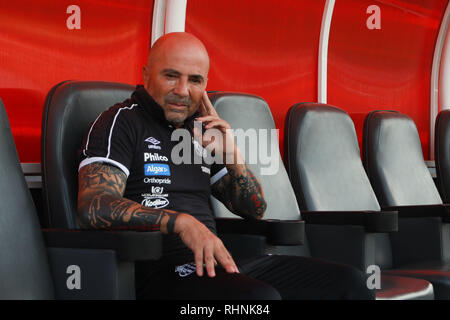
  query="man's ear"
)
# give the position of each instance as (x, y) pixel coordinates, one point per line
(145, 74)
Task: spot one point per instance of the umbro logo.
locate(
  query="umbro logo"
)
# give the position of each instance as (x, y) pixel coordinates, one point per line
(152, 140)
(153, 143)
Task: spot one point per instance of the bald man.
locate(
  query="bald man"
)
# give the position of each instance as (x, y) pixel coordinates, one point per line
(128, 179)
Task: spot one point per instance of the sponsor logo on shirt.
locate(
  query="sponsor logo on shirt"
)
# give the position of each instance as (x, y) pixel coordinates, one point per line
(157, 180)
(153, 143)
(157, 169)
(155, 203)
(157, 190)
(154, 157)
(156, 199)
(185, 269)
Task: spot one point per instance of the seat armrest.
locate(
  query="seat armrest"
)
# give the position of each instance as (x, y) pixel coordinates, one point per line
(277, 232)
(372, 221)
(423, 211)
(129, 245)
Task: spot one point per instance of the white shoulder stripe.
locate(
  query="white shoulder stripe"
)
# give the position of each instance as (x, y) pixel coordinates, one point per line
(89, 134)
(87, 161)
(112, 127)
(219, 175)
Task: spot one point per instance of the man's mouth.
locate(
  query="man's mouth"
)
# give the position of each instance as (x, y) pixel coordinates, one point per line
(175, 106)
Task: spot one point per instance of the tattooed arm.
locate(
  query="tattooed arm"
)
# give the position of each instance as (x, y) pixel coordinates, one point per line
(101, 205)
(240, 191)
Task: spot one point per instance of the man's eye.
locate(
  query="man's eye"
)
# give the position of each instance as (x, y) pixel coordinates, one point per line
(196, 80)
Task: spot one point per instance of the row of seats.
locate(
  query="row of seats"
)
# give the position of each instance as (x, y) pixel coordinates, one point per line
(355, 211)
(345, 222)
(323, 160)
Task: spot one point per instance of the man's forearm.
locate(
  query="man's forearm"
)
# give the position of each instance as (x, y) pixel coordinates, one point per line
(106, 211)
(242, 189)
(246, 196)
(101, 203)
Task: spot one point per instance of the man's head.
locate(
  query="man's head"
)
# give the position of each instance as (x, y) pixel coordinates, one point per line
(176, 75)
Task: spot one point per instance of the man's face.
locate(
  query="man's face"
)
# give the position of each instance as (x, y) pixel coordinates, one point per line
(176, 78)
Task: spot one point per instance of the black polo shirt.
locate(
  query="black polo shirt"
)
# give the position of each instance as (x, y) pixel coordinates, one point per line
(135, 137)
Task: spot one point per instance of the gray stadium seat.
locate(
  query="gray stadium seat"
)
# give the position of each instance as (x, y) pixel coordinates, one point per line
(352, 243)
(55, 263)
(442, 154)
(393, 159)
(70, 107)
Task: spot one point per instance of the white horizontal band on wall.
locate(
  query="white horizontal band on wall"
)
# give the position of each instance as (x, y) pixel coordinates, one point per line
(440, 75)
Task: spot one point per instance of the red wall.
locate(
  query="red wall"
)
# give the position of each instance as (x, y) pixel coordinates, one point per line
(37, 51)
(389, 68)
(264, 47)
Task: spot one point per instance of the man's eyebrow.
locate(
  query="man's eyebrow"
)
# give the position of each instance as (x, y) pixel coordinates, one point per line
(192, 76)
(197, 77)
(170, 71)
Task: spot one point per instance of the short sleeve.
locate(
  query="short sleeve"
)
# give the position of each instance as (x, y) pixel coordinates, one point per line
(218, 171)
(111, 139)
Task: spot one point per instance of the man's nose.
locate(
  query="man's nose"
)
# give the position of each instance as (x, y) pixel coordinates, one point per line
(182, 88)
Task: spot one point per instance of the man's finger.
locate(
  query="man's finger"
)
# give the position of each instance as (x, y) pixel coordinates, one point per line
(207, 118)
(202, 109)
(220, 124)
(208, 105)
(209, 261)
(197, 134)
(198, 256)
(227, 262)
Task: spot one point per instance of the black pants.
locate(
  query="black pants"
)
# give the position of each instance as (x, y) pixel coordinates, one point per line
(262, 278)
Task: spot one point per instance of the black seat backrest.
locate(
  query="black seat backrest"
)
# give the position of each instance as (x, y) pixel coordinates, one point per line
(251, 115)
(323, 159)
(442, 154)
(24, 268)
(393, 158)
(324, 164)
(70, 108)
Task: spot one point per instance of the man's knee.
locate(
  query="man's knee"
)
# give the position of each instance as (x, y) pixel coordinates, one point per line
(224, 286)
(252, 289)
(354, 284)
(264, 291)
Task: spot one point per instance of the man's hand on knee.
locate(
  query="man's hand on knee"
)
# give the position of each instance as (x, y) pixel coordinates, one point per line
(208, 249)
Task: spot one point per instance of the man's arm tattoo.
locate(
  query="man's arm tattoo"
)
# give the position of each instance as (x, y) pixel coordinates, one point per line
(241, 194)
(101, 204)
